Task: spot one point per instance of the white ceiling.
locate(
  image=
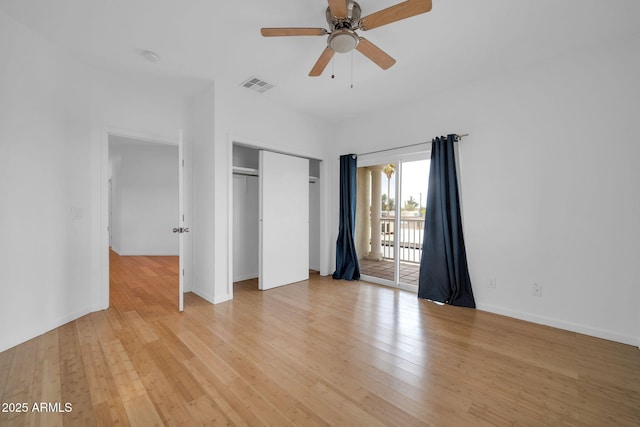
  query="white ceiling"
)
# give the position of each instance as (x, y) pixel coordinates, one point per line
(457, 42)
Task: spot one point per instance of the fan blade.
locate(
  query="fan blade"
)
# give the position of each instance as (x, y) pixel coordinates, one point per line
(338, 8)
(322, 62)
(375, 54)
(281, 32)
(403, 10)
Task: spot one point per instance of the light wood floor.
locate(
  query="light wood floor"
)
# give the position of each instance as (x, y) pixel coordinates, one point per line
(321, 352)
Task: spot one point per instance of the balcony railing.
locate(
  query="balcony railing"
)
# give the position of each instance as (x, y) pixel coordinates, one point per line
(410, 234)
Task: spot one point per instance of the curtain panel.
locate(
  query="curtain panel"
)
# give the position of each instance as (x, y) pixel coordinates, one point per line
(347, 265)
(444, 274)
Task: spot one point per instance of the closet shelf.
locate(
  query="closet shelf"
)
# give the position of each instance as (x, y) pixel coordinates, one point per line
(239, 170)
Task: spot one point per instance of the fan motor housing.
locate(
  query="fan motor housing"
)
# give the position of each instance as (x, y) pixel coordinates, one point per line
(350, 22)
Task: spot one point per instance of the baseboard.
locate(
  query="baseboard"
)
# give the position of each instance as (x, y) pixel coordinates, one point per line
(222, 298)
(561, 324)
(143, 253)
(12, 341)
(204, 295)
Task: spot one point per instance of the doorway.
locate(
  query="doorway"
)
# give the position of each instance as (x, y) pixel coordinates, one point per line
(390, 214)
(144, 186)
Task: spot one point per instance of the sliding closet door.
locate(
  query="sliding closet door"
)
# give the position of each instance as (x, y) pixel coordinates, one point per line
(284, 219)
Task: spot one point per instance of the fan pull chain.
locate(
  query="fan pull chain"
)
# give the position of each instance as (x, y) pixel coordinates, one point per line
(333, 74)
(351, 69)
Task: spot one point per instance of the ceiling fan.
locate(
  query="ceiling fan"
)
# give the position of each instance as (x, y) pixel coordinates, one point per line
(343, 17)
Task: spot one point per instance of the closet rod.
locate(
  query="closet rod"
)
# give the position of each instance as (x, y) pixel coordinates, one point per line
(458, 138)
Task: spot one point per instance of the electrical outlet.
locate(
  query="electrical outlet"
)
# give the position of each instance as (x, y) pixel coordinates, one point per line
(492, 282)
(537, 290)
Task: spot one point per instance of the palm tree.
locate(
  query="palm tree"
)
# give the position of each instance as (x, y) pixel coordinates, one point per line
(410, 204)
(388, 171)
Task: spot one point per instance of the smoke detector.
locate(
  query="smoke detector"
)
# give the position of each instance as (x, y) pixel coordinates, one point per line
(150, 56)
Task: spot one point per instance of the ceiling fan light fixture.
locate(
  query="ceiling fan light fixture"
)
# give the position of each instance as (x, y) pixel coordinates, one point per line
(343, 41)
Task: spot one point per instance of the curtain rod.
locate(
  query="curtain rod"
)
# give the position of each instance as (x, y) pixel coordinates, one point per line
(458, 138)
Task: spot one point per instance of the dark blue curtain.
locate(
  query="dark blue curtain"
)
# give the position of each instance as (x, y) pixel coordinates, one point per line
(444, 275)
(347, 266)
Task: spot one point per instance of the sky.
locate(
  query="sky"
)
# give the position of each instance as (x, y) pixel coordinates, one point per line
(414, 181)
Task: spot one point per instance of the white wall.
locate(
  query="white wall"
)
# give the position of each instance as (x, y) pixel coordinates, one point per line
(248, 117)
(45, 219)
(549, 183)
(115, 161)
(145, 194)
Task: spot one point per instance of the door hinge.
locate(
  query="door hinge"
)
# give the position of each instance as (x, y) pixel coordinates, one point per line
(181, 230)
(183, 271)
(182, 162)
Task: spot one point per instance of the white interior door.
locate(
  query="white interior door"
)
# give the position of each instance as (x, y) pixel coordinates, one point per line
(284, 219)
(183, 228)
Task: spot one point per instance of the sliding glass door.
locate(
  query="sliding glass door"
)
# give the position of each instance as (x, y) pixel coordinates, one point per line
(390, 219)
(413, 193)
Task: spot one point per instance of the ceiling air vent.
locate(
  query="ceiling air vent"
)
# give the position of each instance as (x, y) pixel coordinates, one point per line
(257, 85)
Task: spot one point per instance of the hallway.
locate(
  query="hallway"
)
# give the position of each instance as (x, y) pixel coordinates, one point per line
(139, 281)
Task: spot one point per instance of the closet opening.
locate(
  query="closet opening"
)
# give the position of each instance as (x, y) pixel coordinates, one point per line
(252, 197)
